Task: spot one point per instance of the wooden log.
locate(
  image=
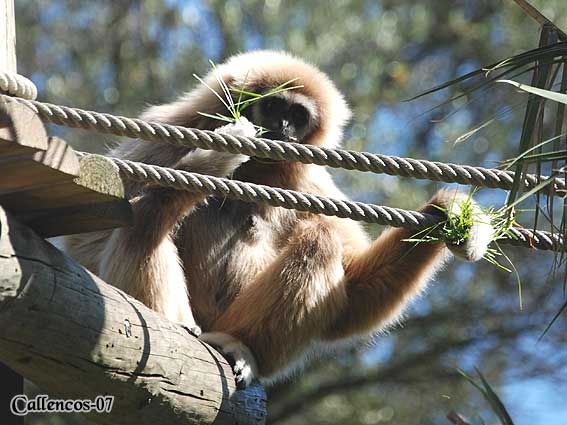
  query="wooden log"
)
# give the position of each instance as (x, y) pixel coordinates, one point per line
(12, 385)
(77, 337)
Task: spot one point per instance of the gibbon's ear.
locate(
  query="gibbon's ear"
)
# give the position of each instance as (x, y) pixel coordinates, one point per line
(185, 110)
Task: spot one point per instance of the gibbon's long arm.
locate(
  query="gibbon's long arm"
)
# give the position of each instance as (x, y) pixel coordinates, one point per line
(321, 289)
(143, 260)
(380, 281)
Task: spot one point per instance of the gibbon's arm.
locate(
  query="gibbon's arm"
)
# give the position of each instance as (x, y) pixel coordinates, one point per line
(380, 281)
(323, 286)
(142, 259)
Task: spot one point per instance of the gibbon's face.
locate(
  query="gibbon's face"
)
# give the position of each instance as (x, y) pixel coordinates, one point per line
(287, 116)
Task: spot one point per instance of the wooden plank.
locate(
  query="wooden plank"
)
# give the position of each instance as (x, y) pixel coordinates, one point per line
(21, 130)
(22, 172)
(92, 201)
(78, 337)
(79, 219)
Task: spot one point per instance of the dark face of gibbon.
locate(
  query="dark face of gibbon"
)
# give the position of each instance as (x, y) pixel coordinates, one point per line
(286, 116)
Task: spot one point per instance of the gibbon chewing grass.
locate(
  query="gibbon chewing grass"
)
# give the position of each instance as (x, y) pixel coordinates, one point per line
(266, 285)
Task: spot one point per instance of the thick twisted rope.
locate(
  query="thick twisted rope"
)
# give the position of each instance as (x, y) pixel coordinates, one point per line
(17, 85)
(290, 199)
(277, 150)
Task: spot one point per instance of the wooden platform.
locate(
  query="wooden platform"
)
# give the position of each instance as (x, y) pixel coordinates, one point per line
(48, 187)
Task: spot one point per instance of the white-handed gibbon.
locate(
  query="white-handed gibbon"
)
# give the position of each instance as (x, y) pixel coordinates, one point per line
(266, 284)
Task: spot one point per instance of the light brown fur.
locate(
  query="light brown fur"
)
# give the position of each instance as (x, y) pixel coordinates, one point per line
(274, 279)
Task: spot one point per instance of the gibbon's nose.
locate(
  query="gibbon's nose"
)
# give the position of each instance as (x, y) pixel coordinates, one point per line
(281, 130)
(283, 125)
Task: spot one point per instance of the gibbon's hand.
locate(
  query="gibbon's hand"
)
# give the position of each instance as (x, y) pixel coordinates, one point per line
(481, 231)
(218, 164)
(240, 127)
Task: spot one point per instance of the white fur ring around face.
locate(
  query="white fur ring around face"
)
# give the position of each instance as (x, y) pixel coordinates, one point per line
(240, 127)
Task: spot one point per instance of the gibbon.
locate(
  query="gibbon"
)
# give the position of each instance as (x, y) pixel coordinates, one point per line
(266, 284)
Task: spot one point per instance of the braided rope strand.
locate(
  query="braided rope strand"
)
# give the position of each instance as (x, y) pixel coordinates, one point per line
(277, 150)
(17, 85)
(24, 91)
(290, 199)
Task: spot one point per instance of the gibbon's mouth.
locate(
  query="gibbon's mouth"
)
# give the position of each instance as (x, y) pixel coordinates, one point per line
(279, 137)
(276, 137)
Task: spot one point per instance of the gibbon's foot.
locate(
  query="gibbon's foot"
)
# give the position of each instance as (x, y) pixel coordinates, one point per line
(481, 231)
(193, 330)
(237, 354)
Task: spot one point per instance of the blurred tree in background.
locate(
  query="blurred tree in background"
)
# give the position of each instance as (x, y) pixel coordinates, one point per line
(119, 56)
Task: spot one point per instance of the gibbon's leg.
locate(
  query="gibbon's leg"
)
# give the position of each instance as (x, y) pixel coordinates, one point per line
(278, 314)
(382, 280)
(143, 259)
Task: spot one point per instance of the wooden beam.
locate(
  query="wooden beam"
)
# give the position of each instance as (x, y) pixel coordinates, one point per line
(58, 163)
(21, 130)
(94, 200)
(12, 383)
(7, 36)
(77, 337)
(47, 187)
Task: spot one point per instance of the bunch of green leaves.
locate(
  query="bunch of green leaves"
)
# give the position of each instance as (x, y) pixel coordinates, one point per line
(456, 228)
(237, 99)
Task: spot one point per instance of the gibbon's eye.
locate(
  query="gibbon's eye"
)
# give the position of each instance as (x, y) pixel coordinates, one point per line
(299, 115)
(272, 105)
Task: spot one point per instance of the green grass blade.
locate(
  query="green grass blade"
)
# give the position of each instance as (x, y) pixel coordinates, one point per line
(551, 95)
(510, 162)
(526, 195)
(522, 59)
(550, 324)
(494, 401)
(213, 91)
(217, 117)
